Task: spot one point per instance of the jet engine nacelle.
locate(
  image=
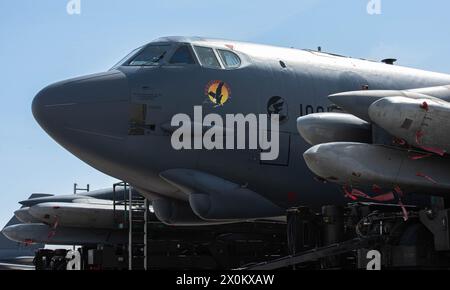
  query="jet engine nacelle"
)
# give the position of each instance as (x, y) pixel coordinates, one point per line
(176, 213)
(218, 200)
(422, 123)
(333, 127)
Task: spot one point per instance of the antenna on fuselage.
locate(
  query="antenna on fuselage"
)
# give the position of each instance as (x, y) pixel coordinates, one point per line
(390, 61)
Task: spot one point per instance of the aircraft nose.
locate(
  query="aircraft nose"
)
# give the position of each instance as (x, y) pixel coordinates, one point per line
(88, 116)
(45, 97)
(68, 103)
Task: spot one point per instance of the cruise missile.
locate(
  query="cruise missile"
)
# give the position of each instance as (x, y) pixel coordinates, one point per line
(24, 216)
(105, 194)
(358, 164)
(92, 213)
(333, 127)
(358, 102)
(41, 233)
(420, 122)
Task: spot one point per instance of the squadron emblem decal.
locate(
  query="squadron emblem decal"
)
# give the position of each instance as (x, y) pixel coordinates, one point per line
(278, 105)
(218, 93)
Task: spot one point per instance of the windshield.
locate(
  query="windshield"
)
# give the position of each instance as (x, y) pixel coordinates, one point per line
(150, 55)
(182, 55)
(207, 57)
(126, 58)
(229, 59)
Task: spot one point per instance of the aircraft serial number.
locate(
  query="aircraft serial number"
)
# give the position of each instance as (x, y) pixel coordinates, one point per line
(310, 109)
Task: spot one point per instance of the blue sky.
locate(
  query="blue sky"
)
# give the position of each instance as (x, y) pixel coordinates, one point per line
(41, 43)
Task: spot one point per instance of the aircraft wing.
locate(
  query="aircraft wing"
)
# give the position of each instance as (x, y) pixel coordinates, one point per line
(391, 142)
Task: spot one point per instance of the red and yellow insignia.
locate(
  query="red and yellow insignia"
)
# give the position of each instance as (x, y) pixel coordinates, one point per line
(218, 92)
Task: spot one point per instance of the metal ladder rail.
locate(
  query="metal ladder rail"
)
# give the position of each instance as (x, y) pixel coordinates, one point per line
(146, 215)
(123, 201)
(137, 232)
(135, 215)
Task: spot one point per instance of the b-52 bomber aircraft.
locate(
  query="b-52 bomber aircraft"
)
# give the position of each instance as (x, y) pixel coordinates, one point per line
(208, 129)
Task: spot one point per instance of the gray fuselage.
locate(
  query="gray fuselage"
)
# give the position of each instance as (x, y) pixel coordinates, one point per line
(90, 116)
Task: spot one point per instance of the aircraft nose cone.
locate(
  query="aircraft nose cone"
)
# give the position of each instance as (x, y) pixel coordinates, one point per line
(88, 116)
(43, 99)
(71, 103)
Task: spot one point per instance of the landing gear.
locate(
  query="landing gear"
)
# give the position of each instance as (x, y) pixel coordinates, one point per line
(365, 236)
(358, 236)
(54, 260)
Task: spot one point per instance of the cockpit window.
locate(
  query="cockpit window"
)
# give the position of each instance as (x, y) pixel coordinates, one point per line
(182, 55)
(229, 59)
(207, 57)
(126, 58)
(151, 55)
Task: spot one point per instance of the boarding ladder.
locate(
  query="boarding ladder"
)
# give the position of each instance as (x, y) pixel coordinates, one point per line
(134, 218)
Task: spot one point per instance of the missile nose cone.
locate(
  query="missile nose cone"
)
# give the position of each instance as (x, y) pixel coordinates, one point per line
(403, 118)
(351, 102)
(395, 114)
(347, 100)
(332, 161)
(379, 110)
(341, 99)
(42, 209)
(9, 232)
(310, 155)
(315, 159)
(305, 125)
(24, 215)
(321, 128)
(356, 103)
(387, 110)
